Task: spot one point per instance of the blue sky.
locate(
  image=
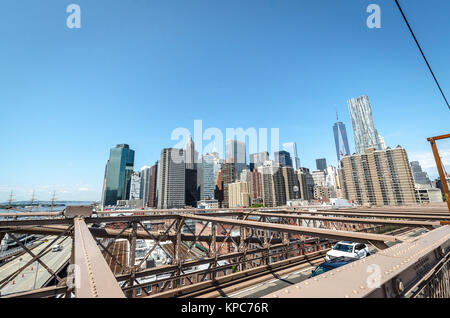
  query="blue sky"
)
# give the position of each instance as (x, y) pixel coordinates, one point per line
(136, 70)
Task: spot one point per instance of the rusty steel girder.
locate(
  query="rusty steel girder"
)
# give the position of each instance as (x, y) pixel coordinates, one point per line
(316, 232)
(403, 270)
(93, 277)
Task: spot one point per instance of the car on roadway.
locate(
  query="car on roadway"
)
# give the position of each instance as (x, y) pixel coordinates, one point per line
(348, 249)
(57, 248)
(331, 264)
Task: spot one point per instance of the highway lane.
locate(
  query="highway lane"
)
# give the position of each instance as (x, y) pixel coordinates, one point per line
(273, 285)
(35, 275)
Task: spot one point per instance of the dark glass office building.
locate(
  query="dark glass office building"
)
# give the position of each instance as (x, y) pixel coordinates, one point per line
(118, 174)
(321, 164)
(283, 158)
(340, 140)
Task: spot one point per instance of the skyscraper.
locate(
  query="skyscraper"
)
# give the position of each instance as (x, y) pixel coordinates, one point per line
(255, 186)
(145, 183)
(291, 183)
(306, 183)
(152, 186)
(321, 164)
(191, 154)
(420, 177)
(364, 132)
(118, 174)
(291, 147)
(273, 186)
(228, 175)
(238, 194)
(236, 152)
(191, 190)
(340, 139)
(283, 158)
(171, 179)
(135, 186)
(205, 177)
(258, 159)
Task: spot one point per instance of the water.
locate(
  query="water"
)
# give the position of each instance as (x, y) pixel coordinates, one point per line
(59, 206)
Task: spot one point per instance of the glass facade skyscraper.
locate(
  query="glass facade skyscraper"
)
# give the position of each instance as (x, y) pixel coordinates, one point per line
(340, 140)
(205, 176)
(364, 132)
(118, 174)
(291, 147)
(236, 153)
(321, 164)
(283, 158)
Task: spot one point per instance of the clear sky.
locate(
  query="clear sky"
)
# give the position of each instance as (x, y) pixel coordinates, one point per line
(136, 70)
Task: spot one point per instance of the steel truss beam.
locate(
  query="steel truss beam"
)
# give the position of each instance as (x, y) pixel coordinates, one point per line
(316, 232)
(409, 223)
(403, 270)
(113, 233)
(367, 214)
(93, 277)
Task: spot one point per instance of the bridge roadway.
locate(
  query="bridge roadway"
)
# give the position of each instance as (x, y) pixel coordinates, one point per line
(277, 283)
(35, 275)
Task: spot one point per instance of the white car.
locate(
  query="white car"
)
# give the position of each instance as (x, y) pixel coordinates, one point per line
(348, 249)
(57, 248)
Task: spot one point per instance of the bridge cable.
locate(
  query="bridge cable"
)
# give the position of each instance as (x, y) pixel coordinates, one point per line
(423, 55)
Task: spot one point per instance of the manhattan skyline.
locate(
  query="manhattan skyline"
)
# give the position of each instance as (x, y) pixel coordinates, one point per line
(135, 72)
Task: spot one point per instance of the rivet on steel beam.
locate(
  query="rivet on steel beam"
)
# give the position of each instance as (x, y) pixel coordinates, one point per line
(399, 285)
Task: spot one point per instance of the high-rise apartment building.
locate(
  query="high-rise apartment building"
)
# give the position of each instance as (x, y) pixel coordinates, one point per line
(273, 187)
(378, 177)
(283, 158)
(305, 183)
(171, 179)
(340, 140)
(364, 132)
(228, 175)
(118, 174)
(291, 147)
(239, 194)
(236, 153)
(291, 183)
(254, 179)
(321, 164)
(319, 177)
(420, 177)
